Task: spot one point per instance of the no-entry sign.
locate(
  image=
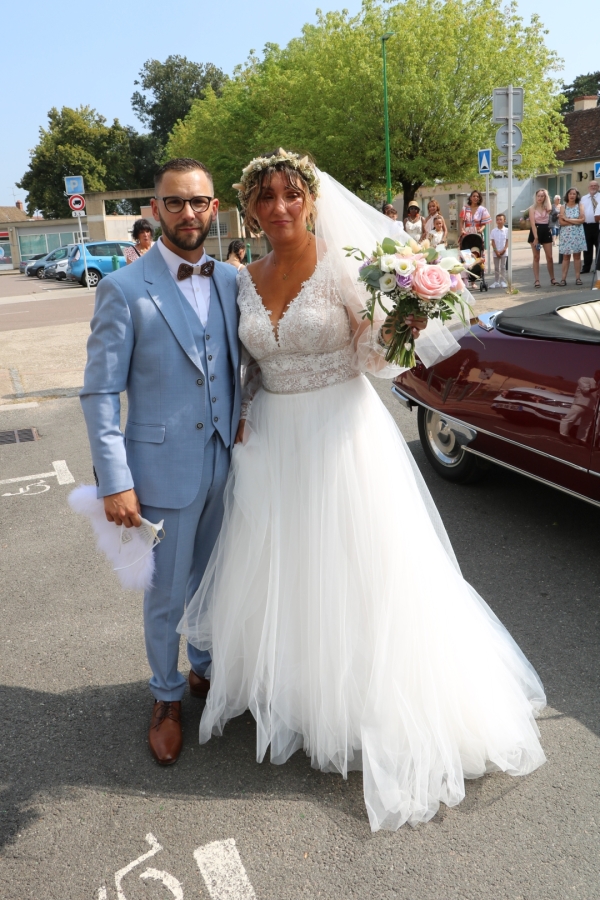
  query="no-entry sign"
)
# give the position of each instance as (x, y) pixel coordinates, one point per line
(76, 202)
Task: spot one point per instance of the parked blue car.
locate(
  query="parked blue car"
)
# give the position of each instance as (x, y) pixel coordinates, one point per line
(99, 255)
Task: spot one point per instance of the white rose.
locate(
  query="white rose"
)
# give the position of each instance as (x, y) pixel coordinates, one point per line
(387, 283)
(447, 262)
(387, 263)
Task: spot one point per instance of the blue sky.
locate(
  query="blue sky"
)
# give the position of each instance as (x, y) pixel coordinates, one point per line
(84, 53)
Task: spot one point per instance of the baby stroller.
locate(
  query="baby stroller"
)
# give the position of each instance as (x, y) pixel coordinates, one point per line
(472, 254)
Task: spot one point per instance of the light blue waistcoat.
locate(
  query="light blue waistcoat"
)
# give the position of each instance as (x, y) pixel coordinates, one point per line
(211, 342)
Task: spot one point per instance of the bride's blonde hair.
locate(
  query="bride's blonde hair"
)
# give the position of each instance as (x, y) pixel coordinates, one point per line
(298, 172)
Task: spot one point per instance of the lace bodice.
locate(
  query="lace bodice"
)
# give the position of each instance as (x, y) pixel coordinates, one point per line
(313, 347)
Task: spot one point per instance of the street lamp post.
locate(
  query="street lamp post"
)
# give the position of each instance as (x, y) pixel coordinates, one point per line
(386, 121)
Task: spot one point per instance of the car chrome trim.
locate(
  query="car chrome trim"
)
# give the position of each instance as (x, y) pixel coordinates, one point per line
(409, 402)
(487, 320)
(404, 401)
(591, 471)
(534, 477)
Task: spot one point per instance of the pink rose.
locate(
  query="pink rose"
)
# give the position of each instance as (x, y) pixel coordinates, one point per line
(431, 282)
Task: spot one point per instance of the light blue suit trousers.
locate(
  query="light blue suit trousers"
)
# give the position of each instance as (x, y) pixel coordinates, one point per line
(181, 559)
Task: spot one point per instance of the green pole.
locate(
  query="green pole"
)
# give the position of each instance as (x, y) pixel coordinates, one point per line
(386, 121)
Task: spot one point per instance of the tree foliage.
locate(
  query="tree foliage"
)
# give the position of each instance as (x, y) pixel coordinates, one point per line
(77, 142)
(323, 94)
(168, 90)
(583, 85)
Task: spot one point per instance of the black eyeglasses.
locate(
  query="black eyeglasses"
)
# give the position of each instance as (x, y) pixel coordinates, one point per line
(177, 204)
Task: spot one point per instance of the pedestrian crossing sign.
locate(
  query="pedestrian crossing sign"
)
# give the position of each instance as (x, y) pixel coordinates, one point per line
(596, 170)
(485, 161)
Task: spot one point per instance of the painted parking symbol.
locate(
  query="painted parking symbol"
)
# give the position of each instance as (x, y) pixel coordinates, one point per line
(35, 487)
(219, 863)
(60, 471)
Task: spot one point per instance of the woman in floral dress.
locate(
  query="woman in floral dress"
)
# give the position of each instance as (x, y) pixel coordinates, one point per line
(572, 237)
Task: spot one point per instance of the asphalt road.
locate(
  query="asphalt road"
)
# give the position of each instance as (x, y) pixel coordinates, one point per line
(79, 792)
(41, 310)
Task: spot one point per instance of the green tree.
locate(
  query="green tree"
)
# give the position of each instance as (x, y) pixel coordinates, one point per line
(77, 142)
(583, 85)
(168, 90)
(323, 93)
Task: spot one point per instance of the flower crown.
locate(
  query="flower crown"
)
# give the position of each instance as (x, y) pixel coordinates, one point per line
(250, 174)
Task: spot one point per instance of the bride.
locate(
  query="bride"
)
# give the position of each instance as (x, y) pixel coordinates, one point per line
(333, 604)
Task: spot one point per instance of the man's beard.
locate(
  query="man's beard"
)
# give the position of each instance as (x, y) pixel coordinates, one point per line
(186, 240)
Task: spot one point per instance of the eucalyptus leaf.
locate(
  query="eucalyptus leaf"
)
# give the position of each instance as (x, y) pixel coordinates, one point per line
(388, 245)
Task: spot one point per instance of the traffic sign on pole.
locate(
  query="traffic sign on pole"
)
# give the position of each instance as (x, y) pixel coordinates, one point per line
(78, 213)
(597, 170)
(502, 137)
(517, 160)
(74, 184)
(501, 108)
(76, 202)
(485, 161)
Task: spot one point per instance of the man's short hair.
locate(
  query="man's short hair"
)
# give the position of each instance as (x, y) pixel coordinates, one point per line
(181, 164)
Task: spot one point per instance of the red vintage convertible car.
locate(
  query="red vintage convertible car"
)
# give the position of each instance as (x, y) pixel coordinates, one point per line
(523, 391)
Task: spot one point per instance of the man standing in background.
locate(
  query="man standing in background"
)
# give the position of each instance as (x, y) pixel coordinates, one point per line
(591, 226)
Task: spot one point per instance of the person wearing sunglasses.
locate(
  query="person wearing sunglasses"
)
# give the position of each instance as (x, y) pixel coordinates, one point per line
(165, 331)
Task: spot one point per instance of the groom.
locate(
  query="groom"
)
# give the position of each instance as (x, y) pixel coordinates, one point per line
(165, 330)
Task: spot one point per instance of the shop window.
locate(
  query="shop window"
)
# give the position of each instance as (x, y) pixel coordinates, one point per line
(53, 241)
(30, 244)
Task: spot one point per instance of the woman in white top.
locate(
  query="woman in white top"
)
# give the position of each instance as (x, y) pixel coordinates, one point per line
(413, 224)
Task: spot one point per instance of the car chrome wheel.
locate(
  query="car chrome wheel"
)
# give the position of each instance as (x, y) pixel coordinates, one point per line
(442, 439)
(444, 450)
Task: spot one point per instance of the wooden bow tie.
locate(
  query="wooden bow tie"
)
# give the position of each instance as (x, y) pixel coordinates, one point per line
(186, 271)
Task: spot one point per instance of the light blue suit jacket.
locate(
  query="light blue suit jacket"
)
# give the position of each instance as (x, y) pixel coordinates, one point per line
(142, 343)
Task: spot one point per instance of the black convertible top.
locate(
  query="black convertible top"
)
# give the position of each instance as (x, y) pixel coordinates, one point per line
(540, 319)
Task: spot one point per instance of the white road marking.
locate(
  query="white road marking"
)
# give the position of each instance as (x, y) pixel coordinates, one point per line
(9, 407)
(223, 872)
(28, 492)
(63, 475)
(120, 875)
(169, 881)
(61, 471)
(102, 895)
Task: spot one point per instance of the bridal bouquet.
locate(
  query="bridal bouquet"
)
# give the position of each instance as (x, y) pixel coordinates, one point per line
(410, 279)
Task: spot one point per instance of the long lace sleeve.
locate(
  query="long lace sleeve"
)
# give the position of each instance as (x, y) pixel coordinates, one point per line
(251, 382)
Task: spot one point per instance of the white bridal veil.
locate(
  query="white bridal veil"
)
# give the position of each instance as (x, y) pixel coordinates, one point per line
(343, 220)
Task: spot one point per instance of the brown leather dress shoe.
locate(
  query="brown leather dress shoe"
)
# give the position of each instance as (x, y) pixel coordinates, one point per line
(199, 686)
(164, 735)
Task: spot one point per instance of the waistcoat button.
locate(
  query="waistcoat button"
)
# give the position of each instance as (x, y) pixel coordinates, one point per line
(212, 377)
(216, 419)
(214, 399)
(199, 426)
(200, 381)
(210, 357)
(208, 337)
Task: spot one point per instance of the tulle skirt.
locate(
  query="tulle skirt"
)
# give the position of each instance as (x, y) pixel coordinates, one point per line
(335, 611)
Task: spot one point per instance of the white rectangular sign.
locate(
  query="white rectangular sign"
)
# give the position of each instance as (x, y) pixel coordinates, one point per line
(78, 213)
(500, 104)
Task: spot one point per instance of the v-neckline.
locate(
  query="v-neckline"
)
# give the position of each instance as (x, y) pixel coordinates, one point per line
(276, 326)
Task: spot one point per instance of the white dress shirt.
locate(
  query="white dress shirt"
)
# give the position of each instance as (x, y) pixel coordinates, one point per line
(588, 206)
(196, 288)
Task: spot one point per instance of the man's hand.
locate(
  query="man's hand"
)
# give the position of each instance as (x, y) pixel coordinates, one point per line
(123, 509)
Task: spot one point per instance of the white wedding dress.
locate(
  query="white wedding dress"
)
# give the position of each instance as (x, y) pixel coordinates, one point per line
(333, 604)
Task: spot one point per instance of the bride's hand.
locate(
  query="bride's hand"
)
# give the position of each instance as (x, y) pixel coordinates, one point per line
(239, 437)
(415, 323)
